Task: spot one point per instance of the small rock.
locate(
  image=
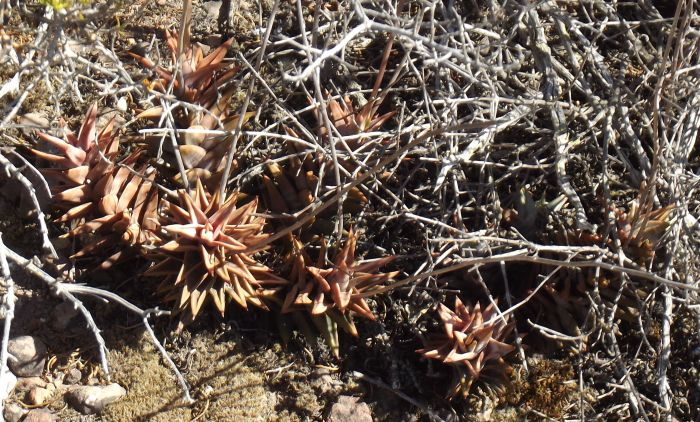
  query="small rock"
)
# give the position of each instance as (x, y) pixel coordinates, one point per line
(212, 9)
(13, 412)
(28, 355)
(350, 409)
(38, 395)
(30, 382)
(122, 105)
(62, 315)
(73, 376)
(93, 399)
(39, 415)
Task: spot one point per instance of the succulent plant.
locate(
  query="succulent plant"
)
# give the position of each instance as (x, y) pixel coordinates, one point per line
(320, 287)
(349, 121)
(198, 82)
(473, 345)
(292, 188)
(201, 81)
(84, 157)
(108, 203)
(331, 294)
(641, 232)
(202, 255)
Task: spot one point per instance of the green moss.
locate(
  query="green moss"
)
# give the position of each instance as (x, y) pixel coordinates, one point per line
(226, 384)
(152, 393)
(548, 389)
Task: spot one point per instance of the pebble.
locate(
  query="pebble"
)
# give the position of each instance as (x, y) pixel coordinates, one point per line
(350, 409)
(29, 382)
(13, 412)
(39, 415)
(38, 396)
(212, 9)
(93, 399)
(73, 376)
(122, 105)
(28, 355)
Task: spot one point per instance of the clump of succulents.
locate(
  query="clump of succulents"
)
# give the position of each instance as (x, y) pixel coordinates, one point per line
(205, 82)
(198, 81)
(108, 203)
(473, 345)
(202, 255)
(336, 290)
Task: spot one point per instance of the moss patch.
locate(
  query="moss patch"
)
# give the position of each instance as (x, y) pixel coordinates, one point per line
(152, 392)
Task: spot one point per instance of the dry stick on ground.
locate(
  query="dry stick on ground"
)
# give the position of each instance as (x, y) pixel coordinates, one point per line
(13, 172)
(321, 205)
(551, 90)
(68, 291)
(8, 311)
(674, 42)
(244, 108)
(322, 107)
(64, 293)
(524, 255)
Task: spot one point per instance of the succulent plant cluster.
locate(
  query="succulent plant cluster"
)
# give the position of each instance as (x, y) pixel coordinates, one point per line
(208, 249)
(107, 204)
(202, 254)
(473, 345)
(562, 300)
(335, 290)
(202, 248)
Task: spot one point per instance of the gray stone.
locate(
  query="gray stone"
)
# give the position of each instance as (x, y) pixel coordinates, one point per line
(93, 399)
(350, 409)
(27, 356)
(39, 415)
(73, 376)
(13, 412)
(212, 9)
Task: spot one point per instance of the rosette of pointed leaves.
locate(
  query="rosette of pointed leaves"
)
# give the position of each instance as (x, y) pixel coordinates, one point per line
(126, 213)
(79, 162)
(295, 187)
(290, 189)
(473, 345)
(198, 81)
(320, 288)
(203, 255)
(108, 204)
(350, 121)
